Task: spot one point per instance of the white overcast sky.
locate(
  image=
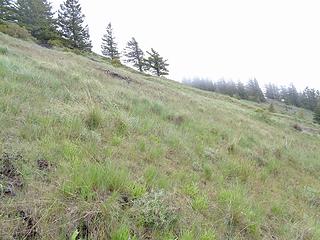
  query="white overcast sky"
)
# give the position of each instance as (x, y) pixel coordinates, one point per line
(273, 40)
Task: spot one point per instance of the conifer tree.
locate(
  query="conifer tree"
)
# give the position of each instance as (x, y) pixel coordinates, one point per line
(72, 28)
(310, 98)
(109, 46)
(272, 91)
(156, 64)
(134, 54)
(7, 10)
(293, 97)
(242, 93)
(37, 17)
(316, 116)
(254, 91)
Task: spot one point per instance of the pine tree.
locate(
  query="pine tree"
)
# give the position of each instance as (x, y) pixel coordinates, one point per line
(272, 91)
(316, 117)
(310, 98)
(293, 97)
(37, 17)
(242, 92)
(254, 91)
(7, 10)
(134, 54)
(156, 64)
(72, 28)
(109, 46)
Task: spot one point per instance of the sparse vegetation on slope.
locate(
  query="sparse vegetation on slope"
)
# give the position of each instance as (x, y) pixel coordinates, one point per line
(87, 155)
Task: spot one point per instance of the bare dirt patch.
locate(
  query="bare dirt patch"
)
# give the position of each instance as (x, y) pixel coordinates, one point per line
(26, 229)
(43, 164)
(10, 178)
(177, 120)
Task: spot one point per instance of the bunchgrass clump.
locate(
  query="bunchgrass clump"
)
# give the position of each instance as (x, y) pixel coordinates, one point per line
(3, 51)
(239, 212)
(94, 118)
(91, 180)
(122, 233)
(156, 211)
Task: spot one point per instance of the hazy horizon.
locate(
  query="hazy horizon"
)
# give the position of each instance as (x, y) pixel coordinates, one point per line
(273, 41)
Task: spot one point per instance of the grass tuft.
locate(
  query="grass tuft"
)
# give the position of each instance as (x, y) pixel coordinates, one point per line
(94, 118)
(156, 210)
(3, 51)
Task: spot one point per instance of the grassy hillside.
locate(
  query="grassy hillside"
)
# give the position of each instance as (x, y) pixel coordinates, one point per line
(92, 151)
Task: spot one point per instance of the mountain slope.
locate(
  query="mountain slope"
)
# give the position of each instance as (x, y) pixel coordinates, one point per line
(103, 152)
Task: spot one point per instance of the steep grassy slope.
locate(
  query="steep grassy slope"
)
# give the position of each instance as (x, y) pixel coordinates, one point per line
(92, 151)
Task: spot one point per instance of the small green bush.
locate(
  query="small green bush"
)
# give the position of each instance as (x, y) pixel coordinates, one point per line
(94, 118)
(208, 235)
(14, 30)
(122, 233)
(57, 43)
(116, 62)
(155, 210)
(271, 108)
(200, 203)
(3, 51)
(207, 172)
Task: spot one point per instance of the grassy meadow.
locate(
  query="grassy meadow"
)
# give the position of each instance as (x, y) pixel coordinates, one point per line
(85, 154)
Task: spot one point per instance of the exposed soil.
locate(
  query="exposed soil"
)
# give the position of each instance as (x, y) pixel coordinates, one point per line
(27, 228)
(125, 201)
(178, 120)
(10, 178)
(43, 164)
(118, 76)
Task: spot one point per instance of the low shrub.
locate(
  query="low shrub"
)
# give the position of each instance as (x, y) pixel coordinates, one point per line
(116, 62)
(156, 211)
(122, 233)
(94, 118)
(57, 43)
(14, 30)
(3, 51)
(200, 203)
(271, 108)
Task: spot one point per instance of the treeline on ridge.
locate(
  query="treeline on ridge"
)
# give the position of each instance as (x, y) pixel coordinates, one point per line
(309, 98)
(37, 18)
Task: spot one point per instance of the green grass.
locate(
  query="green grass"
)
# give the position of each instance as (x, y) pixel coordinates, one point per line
(152, 159)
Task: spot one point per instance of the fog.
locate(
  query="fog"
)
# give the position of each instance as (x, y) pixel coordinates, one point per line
(273, 41)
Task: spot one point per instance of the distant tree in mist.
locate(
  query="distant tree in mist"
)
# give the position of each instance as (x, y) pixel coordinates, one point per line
(272, 91)
(293, 97)
(226, 87)
(204, 84)
(156, 64)
(134, 55)
(241, 91)
(254, 91)
(310, 98)
(109, 47)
